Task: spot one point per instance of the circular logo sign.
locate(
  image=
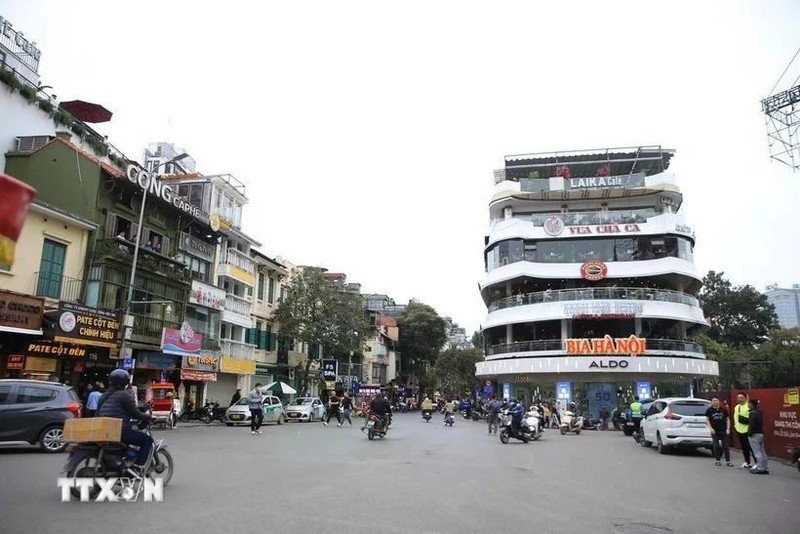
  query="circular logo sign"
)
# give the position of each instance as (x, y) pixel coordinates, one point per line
(187, 333)
(213, 222)
(594, 270)
(67, 321)
(553, 226)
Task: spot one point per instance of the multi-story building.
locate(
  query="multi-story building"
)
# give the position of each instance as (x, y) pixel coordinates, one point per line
(272, 365)
(18, 53)
(590, 284)
(787, 304)
(456, 335)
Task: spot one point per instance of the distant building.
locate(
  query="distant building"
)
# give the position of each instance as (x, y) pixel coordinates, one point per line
(787, 304)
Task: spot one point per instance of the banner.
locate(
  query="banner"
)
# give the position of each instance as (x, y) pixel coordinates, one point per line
(20, 312)
(183, 342)
(330, 368)
(237, 366)
(198, 376)
(208, 296)
(155, 360)
(85, 326)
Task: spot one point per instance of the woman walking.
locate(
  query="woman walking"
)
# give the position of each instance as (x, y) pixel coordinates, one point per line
(347, 409)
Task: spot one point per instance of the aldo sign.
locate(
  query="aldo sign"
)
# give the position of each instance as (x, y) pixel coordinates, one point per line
(151, 184)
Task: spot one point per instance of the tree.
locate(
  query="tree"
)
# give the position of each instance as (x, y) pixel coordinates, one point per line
(422, 335)
(781, 360)
(740, 316)
(477, 339)
(455, 370)
(317, 312)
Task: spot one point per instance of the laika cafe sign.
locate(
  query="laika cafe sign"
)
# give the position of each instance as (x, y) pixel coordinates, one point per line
(151, 184)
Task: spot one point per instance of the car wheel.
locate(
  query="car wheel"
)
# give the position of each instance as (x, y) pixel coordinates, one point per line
(280, 419)
(311, 417)
(662, 449)
(52, 439)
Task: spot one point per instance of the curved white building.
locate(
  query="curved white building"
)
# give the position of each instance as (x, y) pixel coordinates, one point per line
(590, 281)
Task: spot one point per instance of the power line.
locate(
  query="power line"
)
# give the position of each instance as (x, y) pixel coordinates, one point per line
(784, 72)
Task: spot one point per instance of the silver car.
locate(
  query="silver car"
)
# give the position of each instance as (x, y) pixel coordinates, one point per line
(307, 409)
(239, 413)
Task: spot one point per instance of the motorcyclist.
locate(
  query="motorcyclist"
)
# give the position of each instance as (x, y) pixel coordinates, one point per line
(449, 408)
(427, 405)
(118, 403)
(517, 411)
(381, 407)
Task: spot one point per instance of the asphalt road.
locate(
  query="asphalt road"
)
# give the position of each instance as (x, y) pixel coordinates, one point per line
(423, 477)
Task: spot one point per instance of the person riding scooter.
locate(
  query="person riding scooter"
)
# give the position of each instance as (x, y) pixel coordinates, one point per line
(516, 411)
(427, 408)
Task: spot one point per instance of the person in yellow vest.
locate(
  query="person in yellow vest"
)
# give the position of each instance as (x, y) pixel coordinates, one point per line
(636, 412)
(741, 420)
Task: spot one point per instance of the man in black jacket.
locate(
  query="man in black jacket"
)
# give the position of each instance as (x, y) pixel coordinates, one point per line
(756, 437)
(117, 402)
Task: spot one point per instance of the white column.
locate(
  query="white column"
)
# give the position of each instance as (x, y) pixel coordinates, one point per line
(509, 334)
(564, 329)
(637, 325)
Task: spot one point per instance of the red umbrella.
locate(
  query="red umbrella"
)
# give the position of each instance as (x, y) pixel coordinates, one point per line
(87, 111)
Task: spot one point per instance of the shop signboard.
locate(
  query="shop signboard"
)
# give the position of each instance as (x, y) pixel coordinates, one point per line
(631, 345)
(237, 366)
(47, 365)
(54, 349)
(128, 363)
(183, 342)
(564, 391)
(643, 390)
(198, 376)
(196, 247)
(20, 313)
(506, 390)
(155, 360)
(208, 296)
(15, 362)
(85, 326)
(330, 368)
(207, 361)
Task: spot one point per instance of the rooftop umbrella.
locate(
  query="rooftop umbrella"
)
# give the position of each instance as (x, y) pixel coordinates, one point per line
(281, 387)
(87, 111)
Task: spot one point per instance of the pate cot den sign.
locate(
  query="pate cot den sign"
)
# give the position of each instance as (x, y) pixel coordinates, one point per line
(85, 326)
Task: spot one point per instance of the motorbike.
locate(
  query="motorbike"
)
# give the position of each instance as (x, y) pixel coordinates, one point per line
(427, 416)
(507, 432)
(534, 423)
(116, 460)
(375, 426)
(571, 422)
(449, 419)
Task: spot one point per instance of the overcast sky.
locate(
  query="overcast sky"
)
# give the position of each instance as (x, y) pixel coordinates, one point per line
(367, 132)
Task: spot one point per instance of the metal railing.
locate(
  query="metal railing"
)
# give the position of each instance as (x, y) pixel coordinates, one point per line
(604, 293)
(653, 345)
(598, 217)
(237, 349)
(237, 305)
(57, 287)
(238, 259)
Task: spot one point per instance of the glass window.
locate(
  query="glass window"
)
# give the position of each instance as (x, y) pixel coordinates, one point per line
(515, 250)
(5, 393)
(552, 252)
(33, 394)
(530, 251)
(261, 283)
(690, 408)
(271, 296)
(51, 269)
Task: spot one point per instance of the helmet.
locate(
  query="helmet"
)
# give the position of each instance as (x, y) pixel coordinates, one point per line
(119, 378)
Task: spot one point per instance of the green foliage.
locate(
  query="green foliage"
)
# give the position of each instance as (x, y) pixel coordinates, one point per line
(422, 335)
(455, 370)
(62, 117)
(28, 92)
(477, 339)
(45, 105)
(316, 312)
(78, 128)
(740, 316)
(10, 79)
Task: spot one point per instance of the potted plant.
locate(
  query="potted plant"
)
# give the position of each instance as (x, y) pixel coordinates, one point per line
(45, 105)
(28, 92)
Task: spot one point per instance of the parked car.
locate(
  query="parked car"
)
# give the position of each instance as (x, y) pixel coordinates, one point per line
(676, 422)
(35, 411)
(239, 413)
(307, 409)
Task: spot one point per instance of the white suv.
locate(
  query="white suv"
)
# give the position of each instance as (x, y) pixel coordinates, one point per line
(676, 422)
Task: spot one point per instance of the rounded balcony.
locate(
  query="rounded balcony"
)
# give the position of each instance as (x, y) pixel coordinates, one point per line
(604, 293)
(557, 346)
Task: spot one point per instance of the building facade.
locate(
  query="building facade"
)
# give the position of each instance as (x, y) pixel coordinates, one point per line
(787, 304)
(590, 284)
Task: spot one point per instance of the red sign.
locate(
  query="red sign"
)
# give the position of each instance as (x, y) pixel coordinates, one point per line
(781, 410)
(183, 342)
(16, 362)
(594, 270)
(198, 376)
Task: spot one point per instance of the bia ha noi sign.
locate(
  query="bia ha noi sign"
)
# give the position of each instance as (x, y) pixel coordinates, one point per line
(607, 346)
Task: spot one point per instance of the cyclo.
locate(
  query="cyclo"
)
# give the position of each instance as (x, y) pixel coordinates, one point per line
(163, 405)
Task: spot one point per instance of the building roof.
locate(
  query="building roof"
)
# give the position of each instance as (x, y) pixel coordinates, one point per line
(107, 167)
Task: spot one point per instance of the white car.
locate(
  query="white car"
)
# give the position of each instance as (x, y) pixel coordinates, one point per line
(676, 422)
(307, 409)
(239, 413)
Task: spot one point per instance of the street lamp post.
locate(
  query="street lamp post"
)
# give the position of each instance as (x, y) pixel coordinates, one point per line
(137, 243)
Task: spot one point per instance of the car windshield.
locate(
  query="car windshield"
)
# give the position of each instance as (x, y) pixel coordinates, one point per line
(242, 402)
(689, 408)
(303, 402)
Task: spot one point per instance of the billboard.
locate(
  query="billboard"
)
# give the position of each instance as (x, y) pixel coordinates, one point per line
(183, 342)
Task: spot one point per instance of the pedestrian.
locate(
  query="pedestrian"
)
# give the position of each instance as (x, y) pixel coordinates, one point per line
(236, 396)
(604, 415)
(741, 419)
(494, 415)
(755, 433)
(85, 399)
(719, 423)
(333, 409)
(255, 400)
(347, 409)
(92, 400)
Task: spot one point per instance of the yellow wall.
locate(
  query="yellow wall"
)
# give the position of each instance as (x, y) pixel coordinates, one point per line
(37, 228)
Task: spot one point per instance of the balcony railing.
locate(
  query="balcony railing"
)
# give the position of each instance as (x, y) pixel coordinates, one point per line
(57, 287)
(597, 217)
(606, 293)
(237, 305)
(558, 345)
(238, 259)
(236, 349)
